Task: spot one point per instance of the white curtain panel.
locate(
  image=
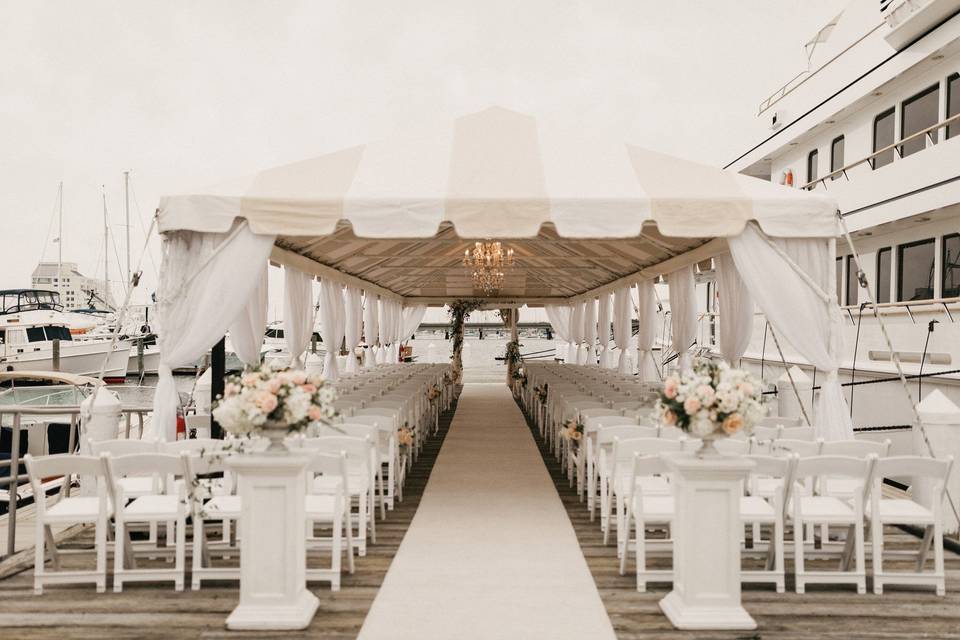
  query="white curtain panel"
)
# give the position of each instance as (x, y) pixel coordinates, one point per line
(559, 317)
(248, 328)
(412, 317)
(683, 313)
(590, 331)
(353, 324)
(371, 326)
(793, 282)
(331, 326)
(621, 327)
(383, 330)
(576, 332)
(582, 319)
(646, 331)
(298, 313)
(396, 329)
(206, 280)
(736, 310)
(603, 329)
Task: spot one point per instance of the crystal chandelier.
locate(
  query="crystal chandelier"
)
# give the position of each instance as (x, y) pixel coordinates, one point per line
(486, 262)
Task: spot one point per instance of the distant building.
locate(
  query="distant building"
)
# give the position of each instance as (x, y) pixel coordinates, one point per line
(76, 290)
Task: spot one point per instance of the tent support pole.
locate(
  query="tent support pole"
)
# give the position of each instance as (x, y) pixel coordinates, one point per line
(218, 364)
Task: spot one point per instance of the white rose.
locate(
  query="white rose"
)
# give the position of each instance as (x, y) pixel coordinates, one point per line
(702, 427)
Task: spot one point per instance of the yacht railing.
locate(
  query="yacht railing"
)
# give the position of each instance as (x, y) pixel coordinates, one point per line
(14, 478)
(907, 305)
(790, 87)
(896, 147)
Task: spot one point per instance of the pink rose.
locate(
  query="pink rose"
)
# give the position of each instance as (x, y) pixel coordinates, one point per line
(706, 392)
(670, 389)
(250, 379)
(669, 418)
(309, 388)
(691, 406)
(746, 388)
(315, 414)
(273, 385)
(299, 377)
(266, 401)
(732, 424)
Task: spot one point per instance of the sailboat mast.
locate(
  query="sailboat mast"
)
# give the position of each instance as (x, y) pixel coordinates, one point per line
(126, 197)
(60, 239)
(106, 250)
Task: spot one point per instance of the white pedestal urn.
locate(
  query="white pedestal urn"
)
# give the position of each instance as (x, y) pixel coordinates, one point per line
(706, 548)
(273, 592)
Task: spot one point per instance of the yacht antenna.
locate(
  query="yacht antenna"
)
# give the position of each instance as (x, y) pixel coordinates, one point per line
(60, 240)
(126, 196)
(106, 244)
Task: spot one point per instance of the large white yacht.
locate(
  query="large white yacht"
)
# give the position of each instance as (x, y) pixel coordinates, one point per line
(32, 322)
(874, 120)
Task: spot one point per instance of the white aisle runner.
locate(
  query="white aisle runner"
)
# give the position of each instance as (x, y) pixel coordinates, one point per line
(491, 552)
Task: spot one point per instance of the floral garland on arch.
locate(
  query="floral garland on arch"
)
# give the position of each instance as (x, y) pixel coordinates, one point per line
(459, 313)
(540, 392)
(711, 400)
(274, 397)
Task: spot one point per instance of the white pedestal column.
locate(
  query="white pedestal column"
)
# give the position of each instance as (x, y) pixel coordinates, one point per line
(273, 591)
(706, 548)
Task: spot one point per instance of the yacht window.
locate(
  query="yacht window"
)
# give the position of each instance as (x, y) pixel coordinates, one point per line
(3, 336)
(58, 333)
(840, 281)
(883, 274)
(853, 285)
(915, 270)
(836, 155)
(951, 266)
(35, 334)
(919, 112)
(953, 103)
(812, 166)
(883, 130)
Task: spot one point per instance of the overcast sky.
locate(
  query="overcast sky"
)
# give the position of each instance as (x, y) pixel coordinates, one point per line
(186, 93)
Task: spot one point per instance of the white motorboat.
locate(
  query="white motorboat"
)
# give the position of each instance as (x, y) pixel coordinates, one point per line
(34, 336)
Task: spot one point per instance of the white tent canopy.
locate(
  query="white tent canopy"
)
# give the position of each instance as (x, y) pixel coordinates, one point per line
(583, 216)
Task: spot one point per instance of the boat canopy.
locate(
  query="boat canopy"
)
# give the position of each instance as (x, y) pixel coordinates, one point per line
(585, 218)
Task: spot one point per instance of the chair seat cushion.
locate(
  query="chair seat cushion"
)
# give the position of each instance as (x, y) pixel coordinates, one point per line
(320, 507)
(78, 509)
(826, 508)
(153, 505)
(654, 508)
(902, 512)
(756, 509)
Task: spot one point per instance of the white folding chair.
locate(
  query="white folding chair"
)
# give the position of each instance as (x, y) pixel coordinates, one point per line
(646, 509)
(756, 512)
(163, 507)
(587, 462)
(68, 510)
(904, 511)
(621, 474)
(329, 506)
(205, 505)
(803, 448)
(389, 453)
(732, 446)
(134, 486)
(817, 509)
(668, 432)
(360, 480)
(371, 432)
(764, 431)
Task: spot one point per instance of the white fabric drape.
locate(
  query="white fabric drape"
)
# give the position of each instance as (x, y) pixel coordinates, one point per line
(390, 330)
(801, 308)
(646, 331)
(371, 326)
(205, 281)
(736, 310)
(621, 327)
(353, 325)
(576, 332)
(383, 330)
(603, 329)
(299, 313)
(683, 313)
(590, 331)
(559, 317)
(332, 322)
(412, 317)
(583, 319)
(248, 328)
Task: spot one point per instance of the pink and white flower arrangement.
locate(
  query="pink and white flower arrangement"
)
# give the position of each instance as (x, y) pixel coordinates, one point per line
(711, 398)
(272, 396)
